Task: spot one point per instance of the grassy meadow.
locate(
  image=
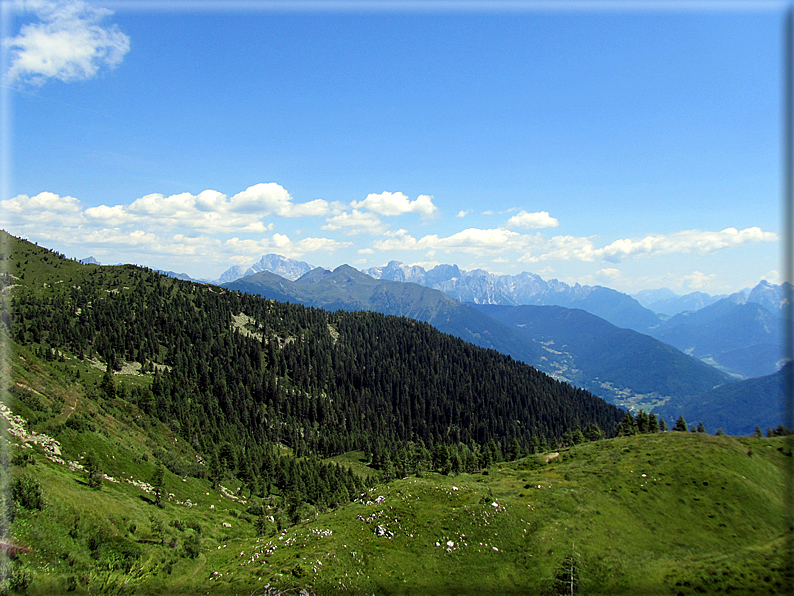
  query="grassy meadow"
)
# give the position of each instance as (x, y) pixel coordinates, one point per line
(667, 513)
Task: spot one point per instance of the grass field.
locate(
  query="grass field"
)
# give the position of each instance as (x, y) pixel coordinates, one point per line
(670, 513)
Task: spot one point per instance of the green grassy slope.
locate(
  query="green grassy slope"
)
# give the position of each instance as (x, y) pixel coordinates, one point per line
(671, 513)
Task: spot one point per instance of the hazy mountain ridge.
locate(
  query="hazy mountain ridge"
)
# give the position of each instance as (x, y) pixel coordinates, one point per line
(744, 342)
(738, 408)
(608, 360)
(666, 302)
(283, 266)
(739, 335)
(480, 287)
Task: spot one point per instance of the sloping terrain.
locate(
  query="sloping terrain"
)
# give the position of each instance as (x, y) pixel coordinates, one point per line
(347, 289)
(629, 368)
(740, 407)
(733, 334)
(668, 513)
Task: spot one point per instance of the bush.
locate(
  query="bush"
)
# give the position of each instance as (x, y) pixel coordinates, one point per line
(26, 491)
(192, 546)
(178, 524)
(79, 422)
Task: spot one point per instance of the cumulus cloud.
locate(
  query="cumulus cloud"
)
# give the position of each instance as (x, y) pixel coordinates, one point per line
(355, 222)
(265, 199)
(535, 248)
(703, 242)
(396, 203)
(247, 248)
(559, 248)
(69, 43)
(699, 281)
(609, 273)
(462, 213)
(399, 240)
(43, 206)
(541, 219)
(168, 227)
(472, 240)
(208, 212)
(772, 277)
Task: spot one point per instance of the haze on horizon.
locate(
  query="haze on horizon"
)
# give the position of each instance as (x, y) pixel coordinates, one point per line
(633, 149)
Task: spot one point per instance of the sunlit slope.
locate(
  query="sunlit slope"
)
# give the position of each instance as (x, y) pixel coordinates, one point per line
(668, 513)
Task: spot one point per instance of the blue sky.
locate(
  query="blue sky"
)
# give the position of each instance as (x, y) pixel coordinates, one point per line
(629, 148)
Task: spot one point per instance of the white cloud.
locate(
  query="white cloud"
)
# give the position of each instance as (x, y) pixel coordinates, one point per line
(68, 43)
(355, 222)
(472, 240)
(683, 242)
(111, 216)
(772, 277)
(207, 212)
(264, 199)
(462, 214)
(396, 203)
(699, 281)
(559, 248)
(283, 245)
(44, 204)
(541, 219)
(399, 240)
(609, 273)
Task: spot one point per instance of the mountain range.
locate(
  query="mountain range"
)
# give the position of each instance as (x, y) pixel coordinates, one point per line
(666, 302)
(743, 341)
(620, 365)
(282, 266)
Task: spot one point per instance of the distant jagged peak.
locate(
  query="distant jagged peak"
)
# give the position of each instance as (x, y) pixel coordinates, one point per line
(282, 266)
(89, 261)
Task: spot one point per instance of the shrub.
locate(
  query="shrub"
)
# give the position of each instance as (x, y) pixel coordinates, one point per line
(79, 422)
(178, 524)
(192, 546)
(195, 526)
(26, 491)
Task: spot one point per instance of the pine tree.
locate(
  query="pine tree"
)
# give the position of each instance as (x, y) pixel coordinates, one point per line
(643, 422)
(93, 470)
(158, 484)
(628, 426)
(680, 425)
(653, 423)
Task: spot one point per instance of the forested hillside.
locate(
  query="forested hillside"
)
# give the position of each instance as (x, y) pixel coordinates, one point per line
(229, 367)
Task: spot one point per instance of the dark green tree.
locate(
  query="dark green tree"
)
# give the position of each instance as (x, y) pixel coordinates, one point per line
(107, 385)
(158, 484)
(93, 469)
(643, 422)
(515, 449)
(680, 425)
(627, 426)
